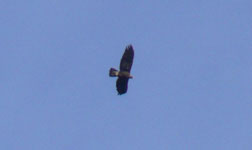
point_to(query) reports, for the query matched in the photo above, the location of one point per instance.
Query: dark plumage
(124, 73)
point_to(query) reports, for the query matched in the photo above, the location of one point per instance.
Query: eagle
(124, 73)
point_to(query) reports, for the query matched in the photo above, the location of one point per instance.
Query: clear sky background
(192, 86)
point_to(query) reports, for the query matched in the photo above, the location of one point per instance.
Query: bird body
(114, 73)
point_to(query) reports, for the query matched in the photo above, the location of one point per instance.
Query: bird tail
(113, 72)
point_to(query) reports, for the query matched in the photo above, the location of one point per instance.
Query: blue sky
(192, 75)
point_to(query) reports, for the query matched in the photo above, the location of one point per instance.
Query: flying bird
(124, 73)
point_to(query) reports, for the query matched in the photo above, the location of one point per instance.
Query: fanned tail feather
(113, 72)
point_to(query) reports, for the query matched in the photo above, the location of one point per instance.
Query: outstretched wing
(127, 59)
(122, 85)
